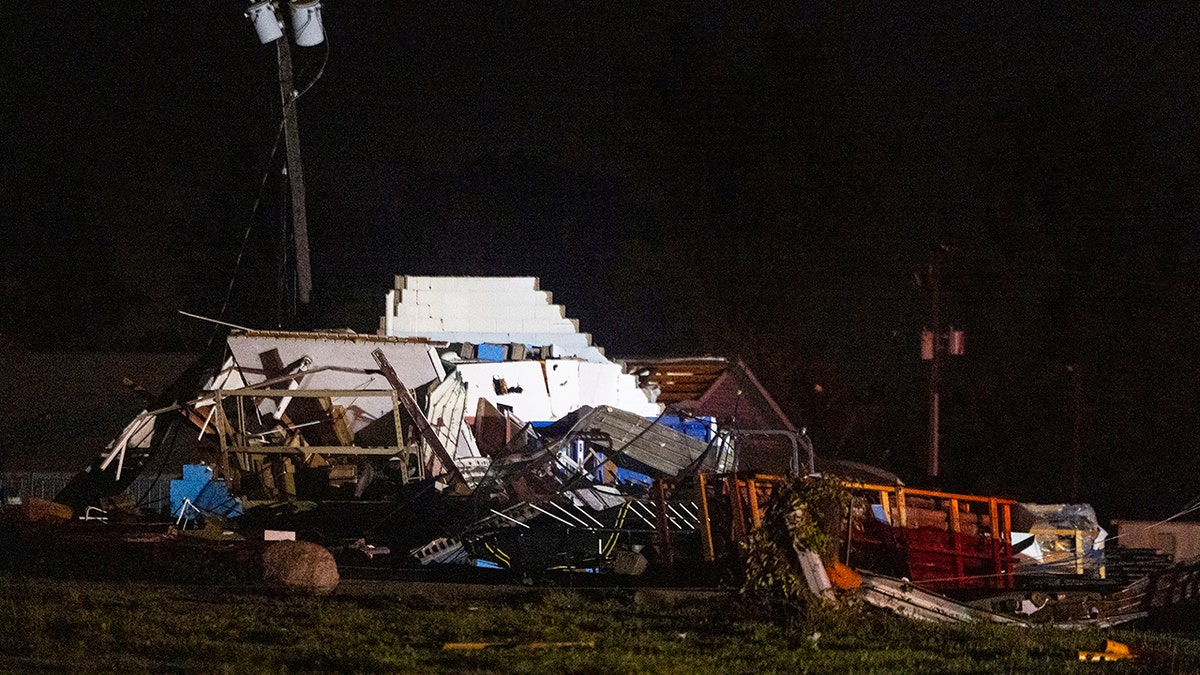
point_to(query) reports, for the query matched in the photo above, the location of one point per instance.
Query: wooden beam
(664, 522)
(955, 529)
(705, 523)
(222, 425)
(312, 450)
(400, 443)
(1006, 522)
(307, 393)
(418, 418)
(752, 494)
(734, 490)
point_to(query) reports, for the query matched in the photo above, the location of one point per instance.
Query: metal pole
(934, 370)
(1076, 430)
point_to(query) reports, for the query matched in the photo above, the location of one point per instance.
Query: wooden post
(849, 531)
(400, 443)
(295, 174)
(222, 426)
(955, 530)
(752, 493)
(1008, 552)
(664, 523)
(993, 513)
(733, 487)
(705, 523)
(239, 437)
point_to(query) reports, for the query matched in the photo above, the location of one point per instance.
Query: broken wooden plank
(418, 417)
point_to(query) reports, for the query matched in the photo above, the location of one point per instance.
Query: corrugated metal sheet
(653, 446)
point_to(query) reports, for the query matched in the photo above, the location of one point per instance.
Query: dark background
(767, 181)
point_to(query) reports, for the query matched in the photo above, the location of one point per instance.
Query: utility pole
(295, 174)
(935, 373)
(308, 31)
(1076, 429)
(935, 343)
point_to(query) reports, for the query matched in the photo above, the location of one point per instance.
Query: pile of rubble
(481, 428)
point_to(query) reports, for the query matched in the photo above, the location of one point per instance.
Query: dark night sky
(758, 180)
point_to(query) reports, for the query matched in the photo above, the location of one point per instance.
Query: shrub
(803, 515)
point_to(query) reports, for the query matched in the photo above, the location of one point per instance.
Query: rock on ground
(300, 566)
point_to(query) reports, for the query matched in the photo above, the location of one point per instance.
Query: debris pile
(481, 428)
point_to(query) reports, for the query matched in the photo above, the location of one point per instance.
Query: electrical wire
(249, 227)
(1193, 505)
(320, 71)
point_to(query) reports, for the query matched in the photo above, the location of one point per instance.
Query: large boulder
(300, 566)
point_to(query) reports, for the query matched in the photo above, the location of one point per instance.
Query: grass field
(54, 625)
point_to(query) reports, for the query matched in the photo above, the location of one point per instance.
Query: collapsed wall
(483, 310)
(507, 320)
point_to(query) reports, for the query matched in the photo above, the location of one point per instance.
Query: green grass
(81, 626)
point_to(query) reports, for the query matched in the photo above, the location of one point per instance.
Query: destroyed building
(479, 391)
(481, 428)
(722, 389)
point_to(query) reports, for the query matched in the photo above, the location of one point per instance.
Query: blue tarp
(209, 496)
(490, 352)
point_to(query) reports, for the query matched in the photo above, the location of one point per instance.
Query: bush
(804, 515)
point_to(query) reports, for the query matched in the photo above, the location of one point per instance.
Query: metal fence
(154, 495)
